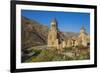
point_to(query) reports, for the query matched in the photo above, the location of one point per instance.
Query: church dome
(54, 22)
(82, 28)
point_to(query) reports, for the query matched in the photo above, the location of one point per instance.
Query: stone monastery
(57, 40)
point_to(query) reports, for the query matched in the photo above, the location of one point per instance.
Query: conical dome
(54, 22)
(82, 28)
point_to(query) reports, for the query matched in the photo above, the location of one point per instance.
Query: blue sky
(67, 21)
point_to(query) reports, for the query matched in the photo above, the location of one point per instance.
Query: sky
(67, 21)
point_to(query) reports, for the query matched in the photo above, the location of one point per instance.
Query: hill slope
(32, 33)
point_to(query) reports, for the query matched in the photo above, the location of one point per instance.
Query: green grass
(36, 53)
(52, 54)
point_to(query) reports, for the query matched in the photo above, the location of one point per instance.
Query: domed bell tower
(83, 36)
(82, 30)
(52, 34)
(54, 24)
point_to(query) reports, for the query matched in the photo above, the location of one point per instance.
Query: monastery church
(57, 40)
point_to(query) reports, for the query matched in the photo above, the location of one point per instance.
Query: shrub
(68, 48)
(45, 55)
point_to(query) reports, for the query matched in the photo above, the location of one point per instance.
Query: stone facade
(83, 37)
(55, 39)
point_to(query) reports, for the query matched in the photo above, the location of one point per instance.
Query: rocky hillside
(70, 34)
(32, 33)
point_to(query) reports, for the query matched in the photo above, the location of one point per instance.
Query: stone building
(56, 39)
(83, 37)
(53, 40)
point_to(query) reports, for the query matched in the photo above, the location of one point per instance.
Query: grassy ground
(44, 55)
